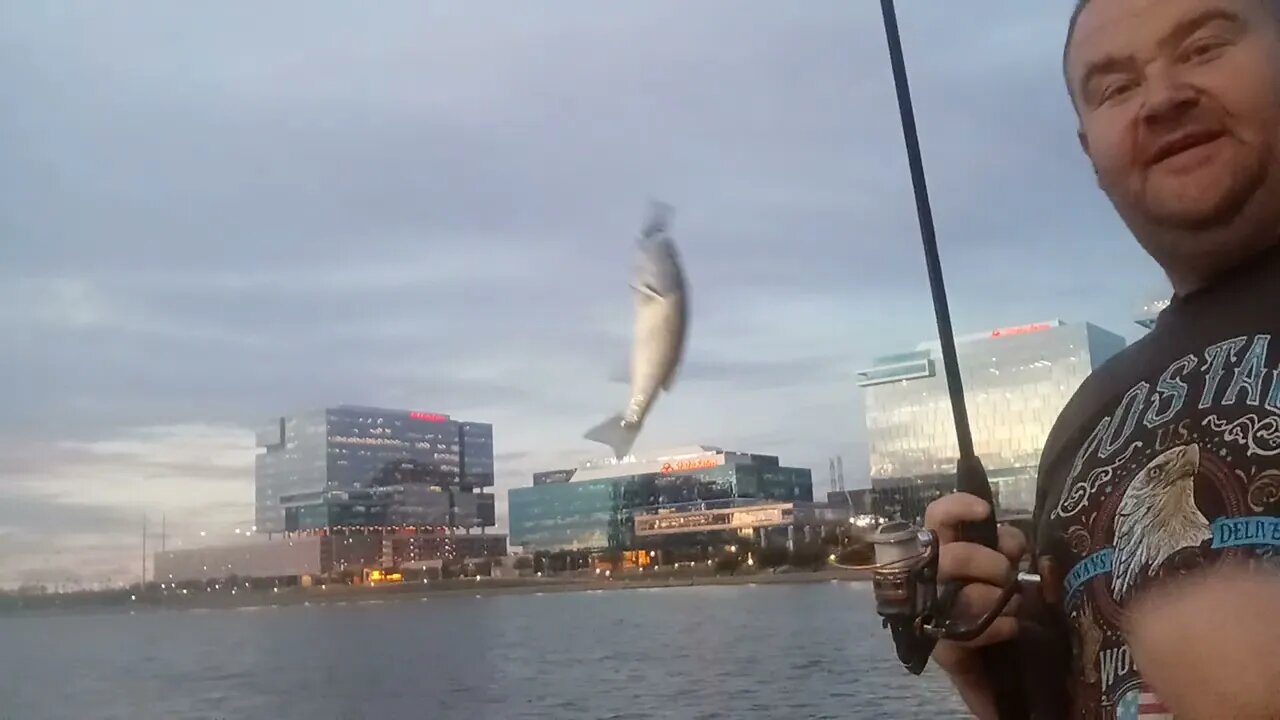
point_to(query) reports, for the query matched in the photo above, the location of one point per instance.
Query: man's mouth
(1181, 143)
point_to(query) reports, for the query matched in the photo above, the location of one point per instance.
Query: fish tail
(616, 433)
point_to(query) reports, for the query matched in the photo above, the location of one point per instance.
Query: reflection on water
(768, 651)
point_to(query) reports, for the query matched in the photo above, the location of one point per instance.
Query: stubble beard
(1244, 217)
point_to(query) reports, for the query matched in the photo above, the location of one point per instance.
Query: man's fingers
(1013, 544)
(1004, 628)
(945, 514)
(976, 599)
(970, 561)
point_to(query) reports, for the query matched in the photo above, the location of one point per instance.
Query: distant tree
(771, 557)
(612, 557)
(808, 557)
(727, 563)
(523, 562)
(858, 552)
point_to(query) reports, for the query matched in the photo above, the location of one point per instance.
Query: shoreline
(480, 587)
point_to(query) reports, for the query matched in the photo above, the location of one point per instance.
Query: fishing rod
(905, 581)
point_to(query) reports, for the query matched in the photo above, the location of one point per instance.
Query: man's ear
(1084, 145)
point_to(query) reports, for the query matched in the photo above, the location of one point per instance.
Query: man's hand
(987, 571)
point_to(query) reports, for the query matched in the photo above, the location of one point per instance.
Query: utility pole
(144, 550)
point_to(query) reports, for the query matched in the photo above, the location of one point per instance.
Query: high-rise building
(1016, 381)
(364, 467)
(594, 508)
(1147, 314)
(548, 477)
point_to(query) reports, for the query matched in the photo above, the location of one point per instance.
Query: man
(1166, 463)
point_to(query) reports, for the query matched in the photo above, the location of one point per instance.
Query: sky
(213, 214)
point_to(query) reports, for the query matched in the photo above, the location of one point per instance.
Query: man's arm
(1208, 646)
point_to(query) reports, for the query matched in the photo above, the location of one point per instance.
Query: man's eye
(1115, 90)
(1204, 49)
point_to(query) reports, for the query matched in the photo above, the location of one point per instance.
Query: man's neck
(1207, 272)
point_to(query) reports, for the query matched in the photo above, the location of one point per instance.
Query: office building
(596, 507)
(1147, 314)
(1016, 381)
(860, 501)
(553, 476)
(363, 467)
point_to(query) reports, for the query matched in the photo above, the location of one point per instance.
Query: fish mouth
(1180, 143)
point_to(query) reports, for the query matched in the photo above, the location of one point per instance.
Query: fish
(661, 325)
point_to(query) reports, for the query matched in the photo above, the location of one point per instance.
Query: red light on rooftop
(1020, 330)
(428, 417)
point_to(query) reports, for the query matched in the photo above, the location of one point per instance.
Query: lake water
(733, 652)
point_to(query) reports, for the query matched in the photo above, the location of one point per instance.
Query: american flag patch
(1141, 704)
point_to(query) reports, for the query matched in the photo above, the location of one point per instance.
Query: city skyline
(212, 222)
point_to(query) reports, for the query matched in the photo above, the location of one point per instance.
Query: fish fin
(658, 219)
(647, 291)
(615, 434)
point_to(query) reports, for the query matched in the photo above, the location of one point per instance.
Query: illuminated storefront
(596, 509)
(1016, 381)
(764, 522)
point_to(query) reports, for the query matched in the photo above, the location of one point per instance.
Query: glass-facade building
(354, 466)
(594, 509)
(1149, 311)
(1016, 382)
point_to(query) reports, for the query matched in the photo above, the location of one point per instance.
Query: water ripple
(744, 652)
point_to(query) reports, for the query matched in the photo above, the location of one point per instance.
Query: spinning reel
(905, 583)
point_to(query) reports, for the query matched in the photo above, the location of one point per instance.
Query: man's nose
(1166, 99)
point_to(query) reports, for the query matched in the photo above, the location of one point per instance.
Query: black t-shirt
(1166, 459)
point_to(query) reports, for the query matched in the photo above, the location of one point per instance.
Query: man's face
(1179, 104)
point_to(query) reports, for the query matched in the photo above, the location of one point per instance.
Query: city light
(695, 464)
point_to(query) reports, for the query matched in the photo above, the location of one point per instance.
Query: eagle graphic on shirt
(1157, 517)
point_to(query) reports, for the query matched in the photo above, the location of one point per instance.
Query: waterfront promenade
(340, 593)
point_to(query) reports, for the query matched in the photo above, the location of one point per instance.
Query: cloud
(220, 216)
(79, 506)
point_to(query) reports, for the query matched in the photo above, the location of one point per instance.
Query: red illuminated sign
(1020, 330)
(696, 464)
(428, 417)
